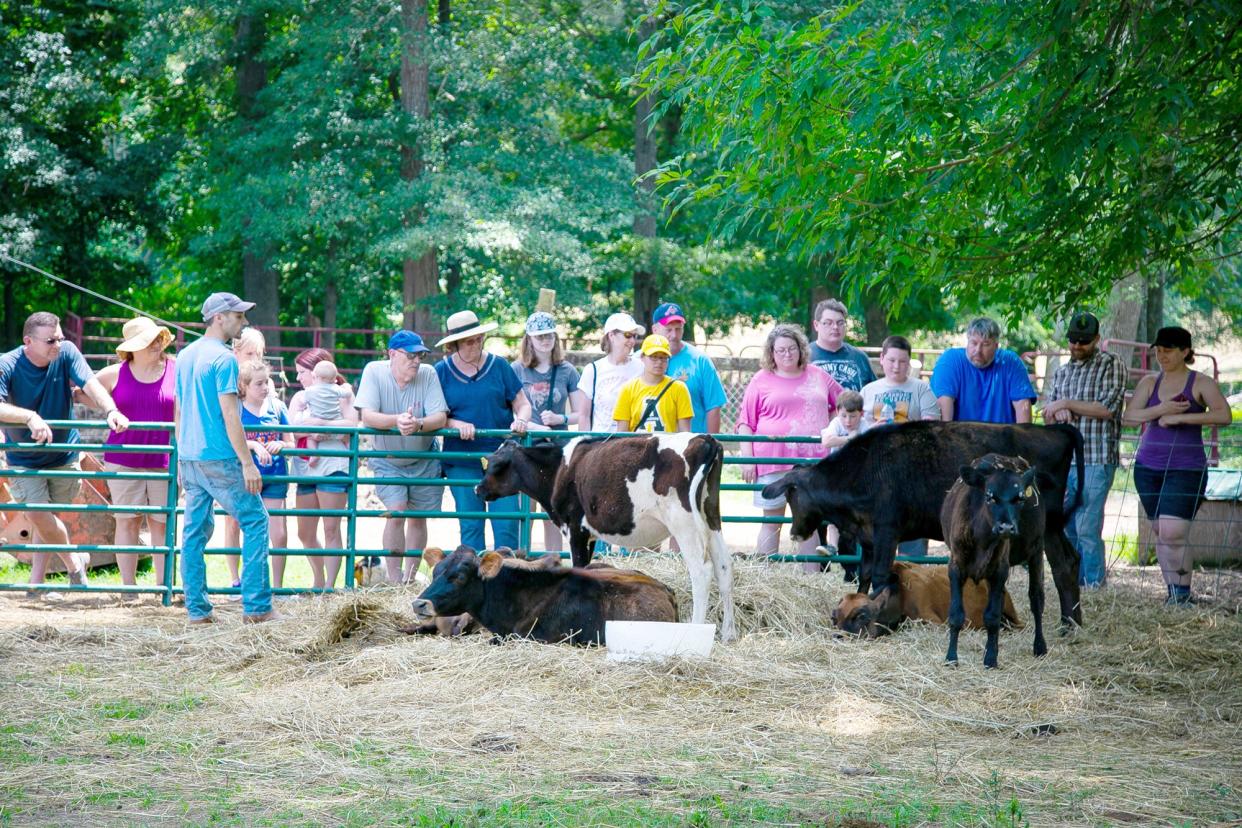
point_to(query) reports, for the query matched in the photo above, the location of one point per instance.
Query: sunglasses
(53, 340)
(1079, 341)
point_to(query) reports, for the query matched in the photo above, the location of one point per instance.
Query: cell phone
(1179, 398)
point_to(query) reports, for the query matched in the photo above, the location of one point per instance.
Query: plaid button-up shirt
(1100, 379)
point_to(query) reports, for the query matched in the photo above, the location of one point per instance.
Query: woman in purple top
(143, 386)
(1170, 467)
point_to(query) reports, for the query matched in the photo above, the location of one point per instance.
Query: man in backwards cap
(215, 464)
(1088, 392)
(690, 365)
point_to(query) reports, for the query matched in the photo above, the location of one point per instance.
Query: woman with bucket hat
(482, 391)
(143, 386)
(1170, 466)
(550, 383)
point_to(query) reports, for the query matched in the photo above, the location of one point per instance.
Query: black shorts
(1170, 493)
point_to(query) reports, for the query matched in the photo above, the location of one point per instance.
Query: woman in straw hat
(482, 391)
(142, 384)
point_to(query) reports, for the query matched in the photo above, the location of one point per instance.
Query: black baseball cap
(1172, 337)
(1084, 327)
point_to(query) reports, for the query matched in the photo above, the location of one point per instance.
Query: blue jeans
(206, 482)
(504, 532)
(1085, 529)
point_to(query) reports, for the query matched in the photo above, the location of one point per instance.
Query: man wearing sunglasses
(1087, 392)
(35, 386)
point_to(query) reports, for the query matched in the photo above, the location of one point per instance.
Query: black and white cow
(630, 491)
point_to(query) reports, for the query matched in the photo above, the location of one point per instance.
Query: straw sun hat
(463, 325)
(140, 333)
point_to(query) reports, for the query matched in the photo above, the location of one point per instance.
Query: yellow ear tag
(1030, 492)
(483, 460)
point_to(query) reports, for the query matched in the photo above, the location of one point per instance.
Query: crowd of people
(227, 410)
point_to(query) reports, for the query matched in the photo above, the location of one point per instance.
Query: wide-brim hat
(139, 333)
(463, 325)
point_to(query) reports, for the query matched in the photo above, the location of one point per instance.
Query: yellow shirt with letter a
(635, 405)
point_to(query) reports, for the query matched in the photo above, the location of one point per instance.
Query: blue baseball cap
(668, 312)
(407, 341)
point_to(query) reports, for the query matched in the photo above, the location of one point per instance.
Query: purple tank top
(143, 402)
(1173, 447)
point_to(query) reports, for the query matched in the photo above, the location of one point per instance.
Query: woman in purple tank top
(143, 384)
(1170, 467)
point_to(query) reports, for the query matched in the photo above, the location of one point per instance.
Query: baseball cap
(1172, 337)
(656, 344)
(623, 322)
(668, 312)
(540, 322)
(224, 303)
(407, 341)
(1084, 327)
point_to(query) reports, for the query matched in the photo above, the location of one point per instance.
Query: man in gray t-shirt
(403, 395)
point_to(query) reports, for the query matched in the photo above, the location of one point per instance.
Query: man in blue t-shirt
(214, 463)
(691, 366)
(982, 382)
(35, 386)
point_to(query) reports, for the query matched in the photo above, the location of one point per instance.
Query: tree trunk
(329, 312)
(877, 323)
(10, 306)
(420, 275)
(646, 285)
(1153, 305)
(260, 281)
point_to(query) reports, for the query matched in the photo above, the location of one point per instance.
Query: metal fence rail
(1213, 535)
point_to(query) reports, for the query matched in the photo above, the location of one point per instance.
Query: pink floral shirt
(785, 406)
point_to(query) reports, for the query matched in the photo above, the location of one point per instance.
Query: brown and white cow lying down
(994, 517)
(531, 600)
(918, 593)
(451, 626)
(629, 491)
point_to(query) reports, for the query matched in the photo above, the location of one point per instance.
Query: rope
(88, 291)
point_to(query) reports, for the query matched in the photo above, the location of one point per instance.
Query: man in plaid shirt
(1087, 391)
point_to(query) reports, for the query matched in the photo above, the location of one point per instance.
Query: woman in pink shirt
(788, 397)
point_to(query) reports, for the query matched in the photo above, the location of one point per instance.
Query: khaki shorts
(137, 492)
(47, 489)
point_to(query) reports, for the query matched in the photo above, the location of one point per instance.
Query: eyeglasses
(53, 340)
(785, 351)
(833, 323)
(627, 334)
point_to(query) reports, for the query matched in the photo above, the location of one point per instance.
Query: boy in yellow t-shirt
(652, 401)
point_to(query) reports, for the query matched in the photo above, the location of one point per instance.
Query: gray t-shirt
(323, 400)
(545, 393)
(848, 365)
(378, 391)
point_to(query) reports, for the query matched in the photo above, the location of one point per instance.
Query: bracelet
(419, 426)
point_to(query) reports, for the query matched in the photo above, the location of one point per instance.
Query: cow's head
(512, 468)
(1007, 484)
(457, 580)
(860, 614)
(811, 504)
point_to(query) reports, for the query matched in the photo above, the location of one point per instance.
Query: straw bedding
(1135, 718)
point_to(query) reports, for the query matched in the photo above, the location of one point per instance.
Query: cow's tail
(1079, 462)
(708, 496)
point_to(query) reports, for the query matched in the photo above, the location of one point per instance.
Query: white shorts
(777, 502)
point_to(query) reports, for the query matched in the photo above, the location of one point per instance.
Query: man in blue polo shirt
(982, 382)
(35, 387)
(691, 366)
(214, 463)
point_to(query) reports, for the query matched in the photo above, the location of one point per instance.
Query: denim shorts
(274, 491)
(1170, 493)
(337, 488)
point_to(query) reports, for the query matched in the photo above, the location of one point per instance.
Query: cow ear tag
(1030, 492)
(483, 460)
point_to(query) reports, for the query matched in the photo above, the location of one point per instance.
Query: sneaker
(235, 596)
(78, 578)
(262, 617)
(209, 618)
(1180, 600)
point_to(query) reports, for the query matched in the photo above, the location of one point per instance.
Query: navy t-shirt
(45, 391)
(484, 400)
(849, 366)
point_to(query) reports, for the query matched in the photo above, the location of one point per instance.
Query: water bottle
(886, 413)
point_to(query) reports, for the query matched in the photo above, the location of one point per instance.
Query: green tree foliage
(1027, 155)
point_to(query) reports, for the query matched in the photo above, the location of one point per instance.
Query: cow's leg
(1035, 591)
(883, 550)
(994, 612)
(1063, 561)
(865, 564)
(581, 546)
(722, 562)
(957, 612)
(692, 552)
